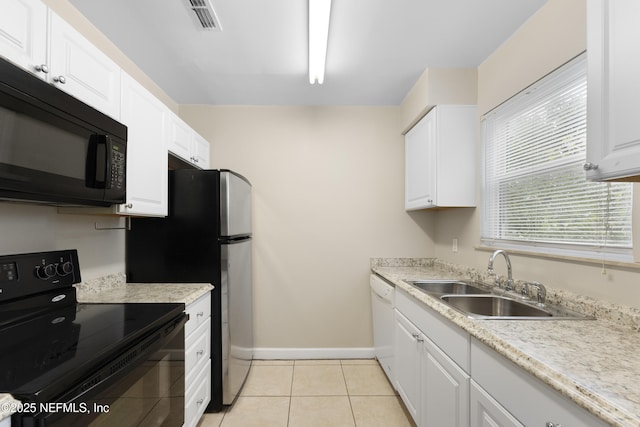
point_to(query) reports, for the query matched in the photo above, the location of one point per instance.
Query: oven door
(143, 386)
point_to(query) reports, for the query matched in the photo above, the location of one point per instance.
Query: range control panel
(26, 274)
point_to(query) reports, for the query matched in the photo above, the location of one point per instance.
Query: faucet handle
(541, 293)
(524, 290)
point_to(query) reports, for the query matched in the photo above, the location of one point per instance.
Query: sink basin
(493, 306)
(447, 287)
(499, 307)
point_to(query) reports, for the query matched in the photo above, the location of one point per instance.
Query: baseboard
(313, 353)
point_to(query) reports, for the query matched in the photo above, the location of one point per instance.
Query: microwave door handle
(99, 162)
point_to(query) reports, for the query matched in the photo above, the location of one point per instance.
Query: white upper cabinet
(187, 144)
(38, 40)
(201, 151)
(146, 119)
(23, 34)
(613, 128)
(81, 69)
(440, 159)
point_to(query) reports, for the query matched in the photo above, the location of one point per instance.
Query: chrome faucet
(509, 284)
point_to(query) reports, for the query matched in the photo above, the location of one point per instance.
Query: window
(536, 196)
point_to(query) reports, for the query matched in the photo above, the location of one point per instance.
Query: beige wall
(328, 196)
(553, 36)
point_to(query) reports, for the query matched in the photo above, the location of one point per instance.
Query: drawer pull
(550, 424)
(200, 314)
(200, 352)
(200, 401)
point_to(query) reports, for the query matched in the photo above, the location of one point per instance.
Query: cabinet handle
(550, 424)
(42, 68)
(200, 314)
(200, 401)
(200, 352)
(589, 167)
(60, 79)
(128, 205)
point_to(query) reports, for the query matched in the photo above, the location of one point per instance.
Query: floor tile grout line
(346, 386)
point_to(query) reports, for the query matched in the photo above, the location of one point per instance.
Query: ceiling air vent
(204, 14)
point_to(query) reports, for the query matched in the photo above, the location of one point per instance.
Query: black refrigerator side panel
(184, 246)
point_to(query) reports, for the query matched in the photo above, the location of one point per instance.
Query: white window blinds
(535, 190)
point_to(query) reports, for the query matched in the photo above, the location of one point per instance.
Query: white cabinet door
(445, 390)
(486, 412)
(23, 34)
(187, 144)
(420, 165)
(407, 364)
(179, 137)
(200, 151)
(146, 119)
(440, 159)
(81, 69)
(613, 41)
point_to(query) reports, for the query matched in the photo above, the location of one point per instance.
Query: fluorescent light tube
(319, 13)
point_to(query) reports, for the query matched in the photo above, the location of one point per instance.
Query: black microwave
(56, 149)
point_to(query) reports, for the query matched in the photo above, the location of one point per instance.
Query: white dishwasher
(382, 304)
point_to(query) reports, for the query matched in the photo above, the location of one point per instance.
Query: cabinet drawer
(197, 397)
(450, 338)
(197, 351)
(199, 311)
(515, 389)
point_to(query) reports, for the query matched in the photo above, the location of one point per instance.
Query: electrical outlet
(454, 245)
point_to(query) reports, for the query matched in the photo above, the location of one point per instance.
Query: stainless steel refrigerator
(206, 238)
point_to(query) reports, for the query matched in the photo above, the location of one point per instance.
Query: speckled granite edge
(102, 284)
(8, 405)
(401, 262)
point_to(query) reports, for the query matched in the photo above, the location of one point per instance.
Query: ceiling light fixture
(319, 13)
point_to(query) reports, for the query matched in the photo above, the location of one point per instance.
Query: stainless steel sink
(442, 287)
(500, 307)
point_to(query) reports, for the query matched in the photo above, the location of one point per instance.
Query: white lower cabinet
(515, 390)
(6, 422)
(444, 389)
(197, 365)
(445, 378)
(434, 388)
(485, 411)
(407, 364)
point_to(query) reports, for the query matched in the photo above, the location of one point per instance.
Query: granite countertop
(114, 289)
(595, 363)
(8, 405)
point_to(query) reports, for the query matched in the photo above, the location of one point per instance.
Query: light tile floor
(310, 393)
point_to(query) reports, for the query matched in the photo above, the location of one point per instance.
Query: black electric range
(56, 350)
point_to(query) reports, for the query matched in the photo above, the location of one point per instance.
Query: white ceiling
(377, 48)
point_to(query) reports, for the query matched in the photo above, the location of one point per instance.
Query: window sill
(560, 257)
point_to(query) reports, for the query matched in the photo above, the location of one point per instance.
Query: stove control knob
(65, 268)
(45, 271)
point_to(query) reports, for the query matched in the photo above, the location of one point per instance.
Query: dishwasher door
(382, 304)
